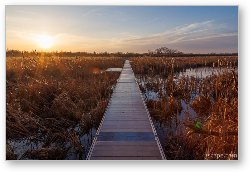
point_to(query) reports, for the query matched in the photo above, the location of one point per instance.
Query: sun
(44, 41)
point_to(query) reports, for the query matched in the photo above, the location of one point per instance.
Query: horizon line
(102, 52)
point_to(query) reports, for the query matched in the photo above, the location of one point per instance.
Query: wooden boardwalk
(126, 131)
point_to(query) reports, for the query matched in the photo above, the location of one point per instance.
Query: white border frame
(241, 165)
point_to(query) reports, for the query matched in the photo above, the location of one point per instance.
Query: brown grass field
(55, 101)
(55, 104)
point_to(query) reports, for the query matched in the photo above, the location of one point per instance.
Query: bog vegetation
(54, 104)
(196, 117)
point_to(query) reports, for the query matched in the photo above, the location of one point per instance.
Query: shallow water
(175, 126)
(114, 70)
(151, 95)
(172, 128)
(203, 72)
(21, 146)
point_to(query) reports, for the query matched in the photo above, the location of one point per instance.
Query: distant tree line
(159, 52)
(17, 53)
(164, 51)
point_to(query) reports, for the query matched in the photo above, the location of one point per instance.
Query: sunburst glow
(44, 41)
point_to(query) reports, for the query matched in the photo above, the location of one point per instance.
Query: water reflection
(154, 89)
(22, 146)
(203, 72)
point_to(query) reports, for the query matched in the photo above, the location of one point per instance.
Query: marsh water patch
(28, 148)
(203, 72)
(113, 70)
(174, 119)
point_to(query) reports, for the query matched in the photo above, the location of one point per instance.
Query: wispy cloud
(190, 32)
(198, 33)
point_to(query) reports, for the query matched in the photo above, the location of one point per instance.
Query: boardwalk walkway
(126, 131)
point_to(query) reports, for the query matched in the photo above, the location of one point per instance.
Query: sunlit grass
(55, 101)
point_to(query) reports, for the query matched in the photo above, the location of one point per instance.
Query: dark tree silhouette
(167, 51)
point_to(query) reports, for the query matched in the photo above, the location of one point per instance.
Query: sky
(190, 29)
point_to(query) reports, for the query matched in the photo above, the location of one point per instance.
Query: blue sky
(194, 29)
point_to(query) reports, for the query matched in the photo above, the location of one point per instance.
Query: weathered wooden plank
(129, 148)
(127, 129)
(122, 143)
(124, 128)
(125, 158)
(128, 124)
(124, 118)
(126, 136)
(126, 152)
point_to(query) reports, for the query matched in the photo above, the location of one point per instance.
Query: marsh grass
(214, 99)
(55, 101)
